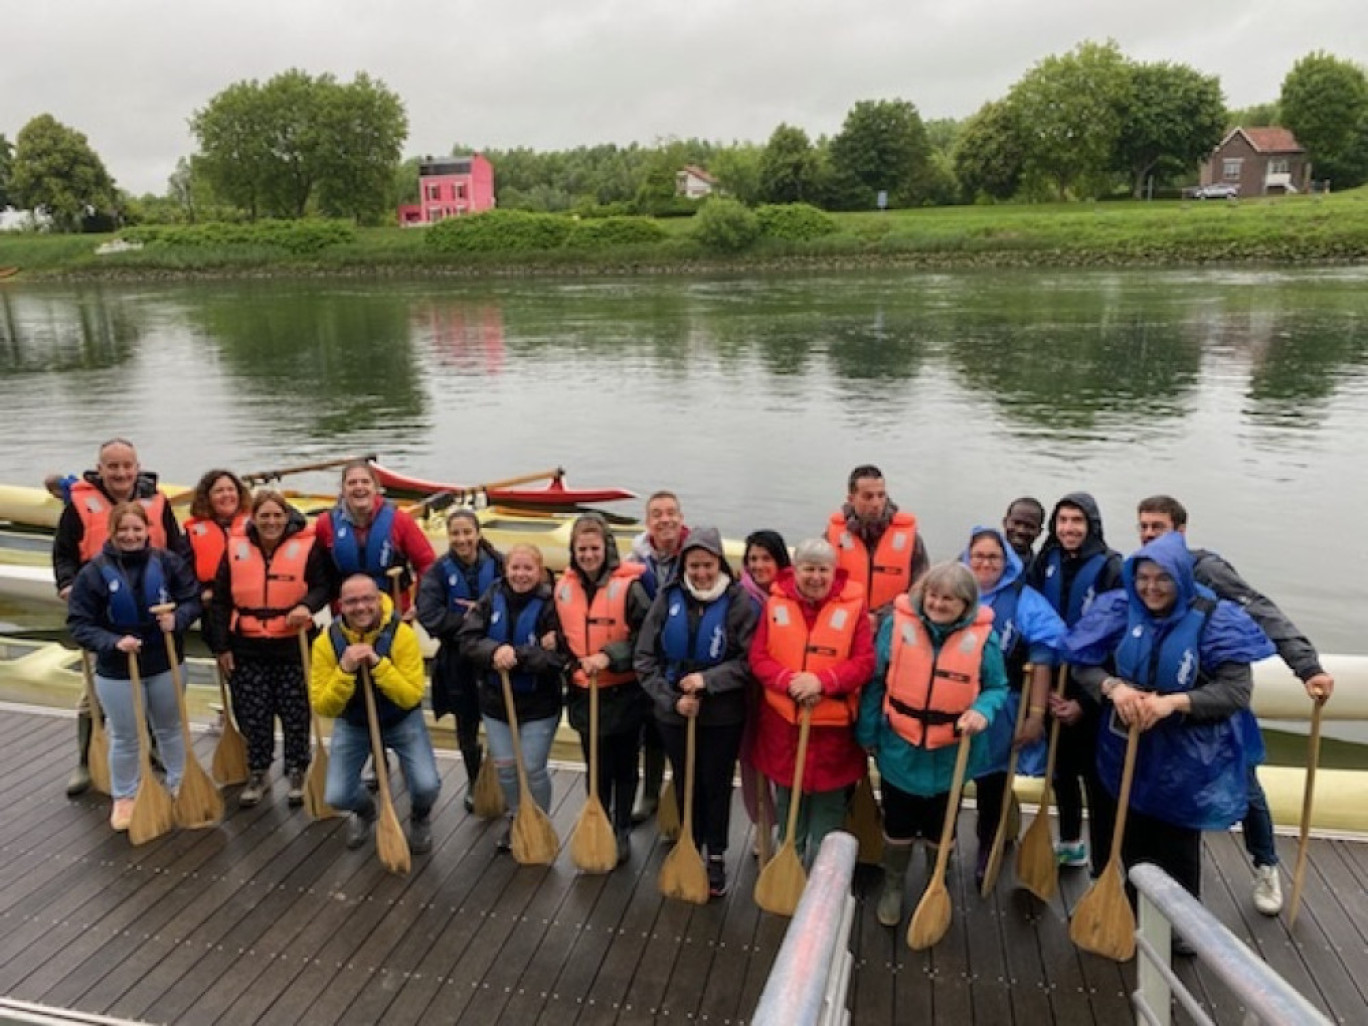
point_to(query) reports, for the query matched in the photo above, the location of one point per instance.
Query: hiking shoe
(257, 782)
(469, 802)
(295, 796)
(420, 834)
(717, 876)
(1268, 896)
(122, 814)
(1072, 853)
(624, 846)
(358, 830)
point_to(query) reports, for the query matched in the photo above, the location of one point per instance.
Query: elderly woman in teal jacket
(941, 635)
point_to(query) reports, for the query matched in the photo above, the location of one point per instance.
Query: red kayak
(553, 494)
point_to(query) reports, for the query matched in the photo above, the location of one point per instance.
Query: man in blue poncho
(1182, 675)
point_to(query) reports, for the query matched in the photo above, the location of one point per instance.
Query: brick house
(693, 182)
(450, 187)
(1259, 161)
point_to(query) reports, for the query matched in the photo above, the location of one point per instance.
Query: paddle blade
(1103, 921)
(229, 765)
(390, 843)
(534, 838)
(931, 920)
(864, 822)
(667, 812)
(316, 786)
(1013, 816)
(781, 883)
(153, 811)
(683, 875)
(489, 796)
(1037, 869)
(593, 846)
(98, 757)
(198, 804)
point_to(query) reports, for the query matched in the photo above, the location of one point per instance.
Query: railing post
(1152, 987)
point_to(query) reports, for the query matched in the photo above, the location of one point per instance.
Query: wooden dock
(270, 919)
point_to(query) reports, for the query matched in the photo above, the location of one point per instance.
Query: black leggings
(714, 766)
(261, 692)
(617, 773)
(1075, 761)
(908, 817)
(1175, 849)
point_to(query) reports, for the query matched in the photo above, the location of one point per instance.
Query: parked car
(1216, 190)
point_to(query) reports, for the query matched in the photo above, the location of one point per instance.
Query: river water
(1242, 392)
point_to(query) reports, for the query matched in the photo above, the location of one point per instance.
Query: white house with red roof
(693, 182)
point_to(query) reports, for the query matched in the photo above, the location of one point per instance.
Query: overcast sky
(552, 74)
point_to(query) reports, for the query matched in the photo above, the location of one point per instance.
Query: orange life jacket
(93, 506)
(791, 644)
(263, 593)
(888, 573)
(209, 541)
(926, 691)
(589, 626)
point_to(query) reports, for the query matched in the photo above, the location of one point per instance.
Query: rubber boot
(897, 855)
(471, 755)
(652, 778)
(79, 781)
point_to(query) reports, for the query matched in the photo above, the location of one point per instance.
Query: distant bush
(669, 206)
(725, 226)
(500, 231)
(615, 231)
(794, 222)
(298, 237)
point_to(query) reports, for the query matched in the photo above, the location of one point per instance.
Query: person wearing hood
(877, 544)
(449, 590)
(658, 550)
(765, 557)
(369, 636)
(109, 613)
(271, 580)
(514, 629)
(1157, 516)
(601, 604)
(1181, 673)
(83, 529)
(813, 650)
(1072, 569)
(366, 534)
(939, 673)
(1030, 633)
(218, 509)
(691, 659)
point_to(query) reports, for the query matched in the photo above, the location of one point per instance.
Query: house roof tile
(1272, 140)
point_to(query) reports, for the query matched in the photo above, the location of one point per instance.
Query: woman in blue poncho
(1182, 674)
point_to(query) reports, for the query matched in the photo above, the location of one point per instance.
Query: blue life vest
(1190, 774)
(380, 553)
(1082, 589)
(1014, 648)
(458, 579)
(685, 650)
(127, 612)
(505, 631)
(355, 710)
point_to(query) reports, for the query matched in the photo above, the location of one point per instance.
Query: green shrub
(298, 237)
(725, 226)
(616, 231)
(794, 222)
(500, 231)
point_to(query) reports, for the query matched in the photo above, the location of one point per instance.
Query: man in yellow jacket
(370, 638)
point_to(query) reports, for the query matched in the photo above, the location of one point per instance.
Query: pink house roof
(1268, 140)
(698, 172)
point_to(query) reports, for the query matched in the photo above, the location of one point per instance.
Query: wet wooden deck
(269, 919)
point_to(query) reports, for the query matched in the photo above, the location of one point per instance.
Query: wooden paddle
(229, 764)
(489, 796)
(1037, 867)
(764, 838)
(864, 822)
(197, 803)
(153, 811)
(316, 779)
(781, 883)
(390, 843)
(275, 475)
(990, 872)
(1103, 921)
(667, 812)
(682, 874)
(932, 918)
(97, 755)
(1308, 800)
(555, 474)
(534, 840)
(593, 846)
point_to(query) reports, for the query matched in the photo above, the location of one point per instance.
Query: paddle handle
(144, 739)
(88, 677)
(951, 810)
(1000, 836)
(1308, 802)
(690, 754)
(1052, 751)
(799, 762)
(169, 638)
(555, 473)
(593, 735)
(301, 468)
(1123, 798)
(524, 789)
(377, 746)
(306, 661)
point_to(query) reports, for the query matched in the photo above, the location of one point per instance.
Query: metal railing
(1164, 905)
(808, 982)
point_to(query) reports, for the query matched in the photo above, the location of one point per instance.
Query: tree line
(1084, 124)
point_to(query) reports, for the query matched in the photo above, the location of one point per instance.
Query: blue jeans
(536, 737)
(1258, 825)
(351, 747)
(163, 712)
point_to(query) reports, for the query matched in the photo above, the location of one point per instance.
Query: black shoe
(624, 846)
(505, 842)
(469, 802)
(295, 795)
(358, 830)
(717, 876)
(420, 834)
(1181, 947)
(981, 865)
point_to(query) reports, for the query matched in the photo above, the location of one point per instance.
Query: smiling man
(877, 544)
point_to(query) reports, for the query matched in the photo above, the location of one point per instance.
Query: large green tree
(883, 146)
(1325, 104)
(363, 127)
(988, 156)
(56, 171)
(1172, 118)
(788, 168)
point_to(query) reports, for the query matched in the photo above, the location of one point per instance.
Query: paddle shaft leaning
(593, 847)
(931, 918)
(153, 813)
(390, 843)
(97, 755)
(1103, 921)
(275, 475)
(682, 874)
(198, 802)
(316, 777)
(990, 872)
(1037, 867)
(534, 840)
(1308, 802)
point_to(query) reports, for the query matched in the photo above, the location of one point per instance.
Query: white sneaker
(1268, 897)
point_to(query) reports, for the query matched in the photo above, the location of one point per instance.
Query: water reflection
(63, 331)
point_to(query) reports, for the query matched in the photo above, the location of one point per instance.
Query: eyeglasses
(979, 557)
(364, 600)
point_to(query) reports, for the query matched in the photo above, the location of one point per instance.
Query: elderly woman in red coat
(813, 650)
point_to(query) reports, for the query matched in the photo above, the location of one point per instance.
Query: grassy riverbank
(1291, 229)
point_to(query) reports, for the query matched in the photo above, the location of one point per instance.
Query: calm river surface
(1243, 392)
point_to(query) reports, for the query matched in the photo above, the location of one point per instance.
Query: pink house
(450, 187)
